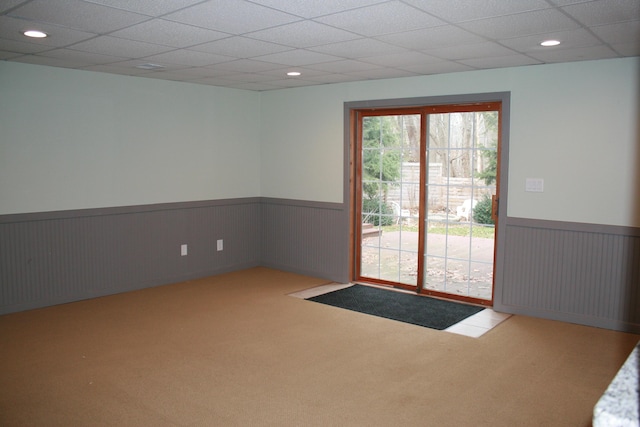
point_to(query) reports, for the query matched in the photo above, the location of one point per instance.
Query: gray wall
(580, 273)
(306, 237)
(58, 257)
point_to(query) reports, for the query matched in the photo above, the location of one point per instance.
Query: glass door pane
(461, 155)
(390, 199)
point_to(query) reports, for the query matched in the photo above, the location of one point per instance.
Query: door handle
(494, 208)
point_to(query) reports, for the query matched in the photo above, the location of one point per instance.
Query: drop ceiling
(252, 44)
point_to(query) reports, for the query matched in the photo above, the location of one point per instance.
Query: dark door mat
(415, 309)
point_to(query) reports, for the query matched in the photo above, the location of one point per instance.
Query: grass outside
(464, 230)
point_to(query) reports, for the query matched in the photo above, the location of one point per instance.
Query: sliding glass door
(426, 185)
(390, 197)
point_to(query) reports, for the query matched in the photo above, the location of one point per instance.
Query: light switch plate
(535, 185)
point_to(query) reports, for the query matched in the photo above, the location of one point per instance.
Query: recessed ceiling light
(294, 73)
(549, 43)
(35, 34)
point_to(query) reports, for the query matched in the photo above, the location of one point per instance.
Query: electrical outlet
(220, 245)
(183, 250)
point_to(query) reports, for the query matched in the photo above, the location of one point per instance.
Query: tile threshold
(473, 326)
(479, 324)
(319, 290)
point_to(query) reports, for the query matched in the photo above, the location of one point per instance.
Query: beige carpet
(235, 350)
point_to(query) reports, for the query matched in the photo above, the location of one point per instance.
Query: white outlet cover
(220, 245)
(183, 250)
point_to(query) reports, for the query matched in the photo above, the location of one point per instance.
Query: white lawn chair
(465, 210)
(400, 214)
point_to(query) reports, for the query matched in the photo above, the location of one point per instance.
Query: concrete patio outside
(467, 269)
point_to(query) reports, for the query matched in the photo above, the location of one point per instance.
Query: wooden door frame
(350, 109)
(356, 191)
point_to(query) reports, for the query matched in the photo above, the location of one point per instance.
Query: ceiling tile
(202, 72)
(438, 68)
(298, 57)
(8, 55)
(329, 41)
(249, 77)
(256, 86)
(214, 81)
(464, 10)
(571, 38)
(627, 49)
(293, 83)
(360, 48)
(134, 64)
(81, 57)
(9, 4)
(231, 16)
(147, 7)
(500, 62)
(117, 69)
(168, 75)
(312, 9)
(188, 58)
(401, 59)
(22, 47)
(107, 45)
(470, 51)
(578, 54)
(601, 13)
(566, 2)
(50, 62)
(625, 32)
(430, 38)
(78, 15)
(306, 73)
(522, 24)
(389, 18)
(12, 29)
(240, 47)
(382, 73)
(303, 34)
(344, 66)
(335, 78)
(248, 65)
(168, 33)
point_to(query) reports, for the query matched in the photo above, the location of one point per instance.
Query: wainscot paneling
(57, 257)
(580, 273)
(573, 272)
(309, 238)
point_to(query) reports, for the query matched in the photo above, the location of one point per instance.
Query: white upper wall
(75, 139)
(575, 125)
